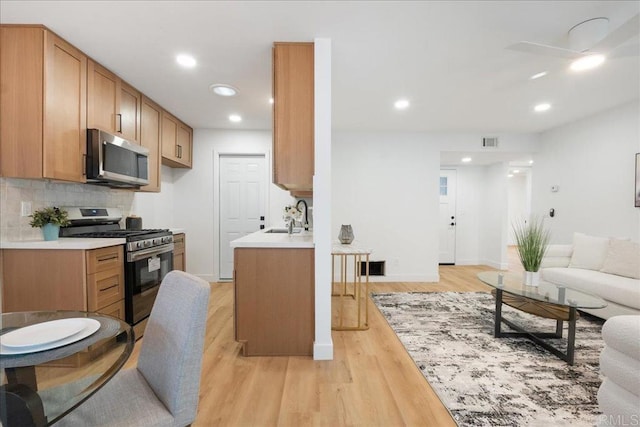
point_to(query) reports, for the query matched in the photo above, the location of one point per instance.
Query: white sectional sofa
(606, 267)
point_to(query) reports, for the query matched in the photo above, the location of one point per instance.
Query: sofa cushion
(623, 259)
(622, 290)
(588, 251)
(623, 334)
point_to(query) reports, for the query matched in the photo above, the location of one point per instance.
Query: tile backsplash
(43, 193)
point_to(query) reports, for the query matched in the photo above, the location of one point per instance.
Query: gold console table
(351, 285)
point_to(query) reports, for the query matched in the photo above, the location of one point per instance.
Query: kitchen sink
(283, 230)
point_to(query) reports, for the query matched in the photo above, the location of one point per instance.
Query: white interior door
(447, 216)
(242, 203)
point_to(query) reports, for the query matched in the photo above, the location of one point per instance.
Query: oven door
(144, 272)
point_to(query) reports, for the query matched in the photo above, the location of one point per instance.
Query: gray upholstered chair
(163, 389)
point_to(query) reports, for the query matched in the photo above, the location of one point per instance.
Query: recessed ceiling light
(516, 171)
(401, 104)
(223, 90)
(270, 100)
(542, 107)
(186, 61)
(235, 118)
(587, 62)
(530, 162)
(510, 176)
(537, 76)
(466, 159)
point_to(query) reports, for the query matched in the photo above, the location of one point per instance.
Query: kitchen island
(274, 293)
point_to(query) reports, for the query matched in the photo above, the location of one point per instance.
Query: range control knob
(138, 245)
(147, 243)
(157, 241)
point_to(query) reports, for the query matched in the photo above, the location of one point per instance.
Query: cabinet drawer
(104, 288)
(178, 243)
(116, 310)
(105, 259)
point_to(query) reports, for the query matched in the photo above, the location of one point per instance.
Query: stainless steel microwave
(115, 162)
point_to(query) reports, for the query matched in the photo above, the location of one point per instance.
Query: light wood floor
(372, 380)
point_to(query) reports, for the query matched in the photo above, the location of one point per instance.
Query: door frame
(216, 197)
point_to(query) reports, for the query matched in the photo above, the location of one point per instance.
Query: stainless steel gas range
(148, 255)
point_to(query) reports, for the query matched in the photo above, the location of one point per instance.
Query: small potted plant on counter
(532, 239)
(49, 220)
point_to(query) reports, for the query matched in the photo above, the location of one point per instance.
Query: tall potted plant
(49, 220)
(532, 239)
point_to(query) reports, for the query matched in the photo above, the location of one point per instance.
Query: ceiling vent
(490, 142)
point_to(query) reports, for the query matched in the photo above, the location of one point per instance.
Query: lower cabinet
(274, 301)
(55, 279)
(60, 279)
(179, 254)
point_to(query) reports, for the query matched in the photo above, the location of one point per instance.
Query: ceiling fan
(590, 41)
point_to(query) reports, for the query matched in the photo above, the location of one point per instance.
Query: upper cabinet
(150, 137)
(112, 105)
(293, 116)
(43, 105)
(177, 141)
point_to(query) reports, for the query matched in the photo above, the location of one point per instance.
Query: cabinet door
(184, 142)
(293, 114)
(169, 135)
(150, 134)
(65, 136)
(103, 98)
(128, 118)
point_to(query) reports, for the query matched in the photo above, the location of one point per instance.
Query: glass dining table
(52, 361)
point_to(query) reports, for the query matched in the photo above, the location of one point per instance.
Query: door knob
(452, 224)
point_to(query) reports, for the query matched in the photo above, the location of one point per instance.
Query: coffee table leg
(571, 339)
(498, 314)
(559, 325)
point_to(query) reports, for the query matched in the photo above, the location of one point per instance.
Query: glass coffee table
(546, 300)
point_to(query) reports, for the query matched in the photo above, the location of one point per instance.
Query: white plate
(42, 333)
(89, 326)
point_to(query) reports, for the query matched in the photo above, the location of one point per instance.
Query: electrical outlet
(25, 208)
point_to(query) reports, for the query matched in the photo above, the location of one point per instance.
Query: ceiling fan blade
(543, 49)
(618, 36)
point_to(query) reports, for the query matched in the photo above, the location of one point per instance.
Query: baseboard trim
(323, 351)
(427, 278)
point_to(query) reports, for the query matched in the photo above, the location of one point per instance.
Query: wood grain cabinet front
(177, 142)
(150, 137)
(293, 117)
(179, 254)
(43, 105)
(85, 280)
(112, 104)
(274, 301)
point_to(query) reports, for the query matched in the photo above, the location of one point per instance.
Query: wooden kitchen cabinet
(112, 104)
(43, 105)
(177, 142)
(150, 137)
(52, 279)
(293, 116)
(179, 253)
(274, 301)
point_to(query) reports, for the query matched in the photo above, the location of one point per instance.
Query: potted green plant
(532, 239)
(49, 220)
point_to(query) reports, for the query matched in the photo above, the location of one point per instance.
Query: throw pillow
(623, 259)
(589, 252)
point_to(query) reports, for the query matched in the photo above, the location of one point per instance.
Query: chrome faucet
(305, 224)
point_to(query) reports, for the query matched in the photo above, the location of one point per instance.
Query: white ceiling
(448, 58)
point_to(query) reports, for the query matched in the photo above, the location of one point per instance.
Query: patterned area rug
(487, 381)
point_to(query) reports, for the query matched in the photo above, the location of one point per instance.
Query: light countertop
(176, 230)
(63, 243)
(261, 239)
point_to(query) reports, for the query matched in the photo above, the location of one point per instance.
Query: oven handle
(148, 253)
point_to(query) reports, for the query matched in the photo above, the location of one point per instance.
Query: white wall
(386, 187)
(593, 163)
(156, 209)
(518, 201)
(469, 192)
(193, 193)
(493, 217)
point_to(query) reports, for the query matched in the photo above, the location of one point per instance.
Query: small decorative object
(50, 220)
(532, 239)
(290, 215)
(346, 234)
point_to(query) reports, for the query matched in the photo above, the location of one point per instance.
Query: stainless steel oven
(144, 271)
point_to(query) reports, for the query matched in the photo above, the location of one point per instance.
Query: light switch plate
(25, 208)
